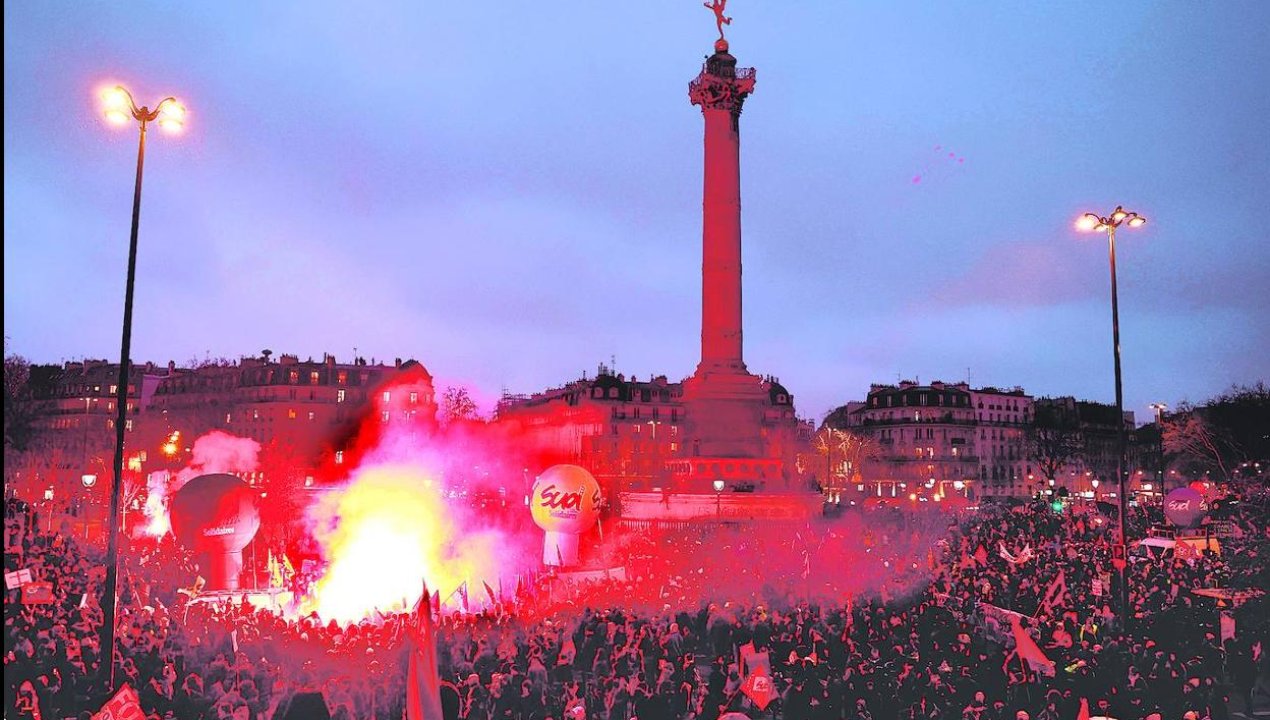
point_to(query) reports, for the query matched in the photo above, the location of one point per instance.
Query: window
(414, 398)
(291, 413)
(227, 418)
(114, 389)
(386, 415)
(255, 414)
(340, 395)
(339, 457)
(312, 416)
(128, 424)
(293, 376)
(387, 396)
(342, 377)
(313, 377)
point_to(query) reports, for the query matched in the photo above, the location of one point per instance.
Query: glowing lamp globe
(565, 503)
(1184, 507)
(215, 517)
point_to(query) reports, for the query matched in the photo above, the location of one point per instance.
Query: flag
(1185, 551)
(423, 682)
(490, 591)
(501, 595)
(1054, 594)
(559, 556)
(436, 600)
(125, 705)
(1029, 651)
(233, 639)
(520, 586)
(37, 593)
(463, 595)
(1227, 626)
(758, 687)
(1083, 714)
(981, 555)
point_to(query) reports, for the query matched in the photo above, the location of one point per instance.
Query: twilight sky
(511, 192)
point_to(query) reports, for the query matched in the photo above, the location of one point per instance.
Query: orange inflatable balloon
(566, 499)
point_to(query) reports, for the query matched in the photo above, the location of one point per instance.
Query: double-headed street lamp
(118, 106)
(1090, 222)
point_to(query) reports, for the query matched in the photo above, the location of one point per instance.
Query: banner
(37, 593)
(17, 578)
(125, 705)
(997, 623)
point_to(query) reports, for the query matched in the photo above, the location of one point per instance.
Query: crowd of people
(873, 617)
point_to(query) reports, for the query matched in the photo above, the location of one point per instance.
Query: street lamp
(1096, 223)
(1159, 409)
(718, 507)
(118, 106)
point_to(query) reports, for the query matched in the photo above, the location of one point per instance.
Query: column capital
(721, 85)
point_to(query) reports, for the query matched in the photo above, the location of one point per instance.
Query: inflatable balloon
(564, 503)
(1184, 507)
(215, 516)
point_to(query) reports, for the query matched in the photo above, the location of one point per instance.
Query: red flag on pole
(423, 682)
(463, 596)
(125, 705)
(760, 689)
(1029, 651)
(490, 591)
(1227, 626)
(1083, 714)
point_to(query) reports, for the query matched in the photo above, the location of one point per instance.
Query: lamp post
(1159, 409)
(1096, 223)
(118, 106)
(718, 500)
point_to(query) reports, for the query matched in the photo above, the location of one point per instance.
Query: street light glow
(1137, 221)
(1087, 222)
(172, 116)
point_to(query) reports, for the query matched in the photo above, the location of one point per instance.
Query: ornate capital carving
(713, 92)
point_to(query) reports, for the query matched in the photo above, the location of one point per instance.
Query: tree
(1219, 434)
(19, 407)
(1054, 442)
(844, 452)
(1198, 444)
(457, 406)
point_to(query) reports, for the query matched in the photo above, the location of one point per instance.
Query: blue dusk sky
(511, 192)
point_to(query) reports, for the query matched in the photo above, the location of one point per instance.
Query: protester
(1005, 613)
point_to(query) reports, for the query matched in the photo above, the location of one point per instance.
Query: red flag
(490, 591)
(1084, 710)
(463, 595)
(38, 593)
(423, 684)
(1227, 626)
(981, 555)
(125, 705)
(1054, 594)
(1029, 651)
(758, 687)
(520, 586)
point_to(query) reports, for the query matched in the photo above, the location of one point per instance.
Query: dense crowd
(872, 618)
